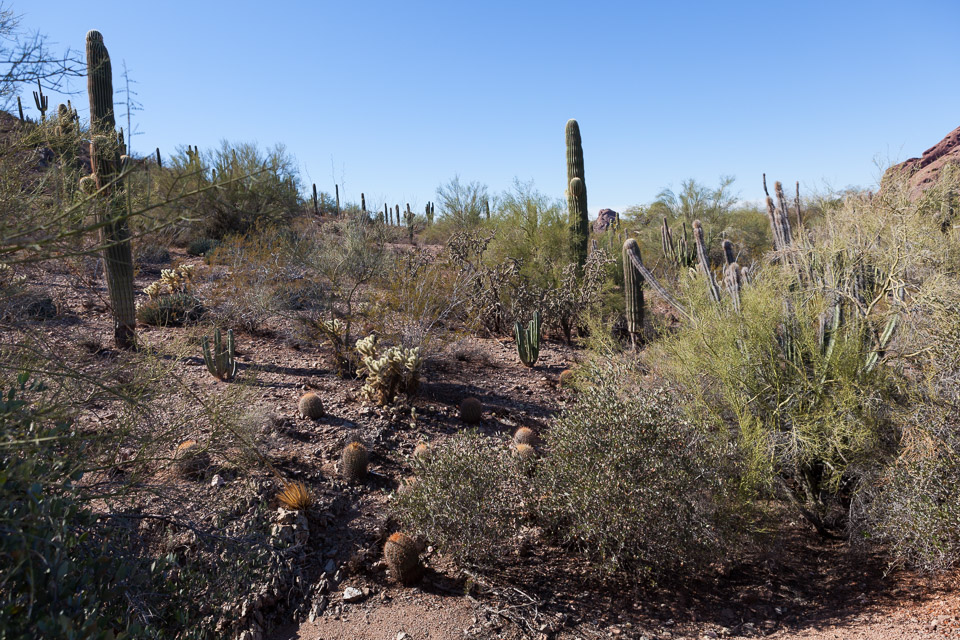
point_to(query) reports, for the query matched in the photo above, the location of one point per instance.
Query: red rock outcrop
(924, 171)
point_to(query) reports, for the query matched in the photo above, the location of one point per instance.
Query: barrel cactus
(311, 406)
(403, 558)
(525, 435)
(190, 460)
(353, 462)
(471, 410)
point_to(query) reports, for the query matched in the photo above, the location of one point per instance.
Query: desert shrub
(265, 278)
(201, 246)
(228, 190)
(911, 504)
(151, 253)
(465, 205)
(421, 299)
(348, 254)
(634, 485)
(170, 310)
(806, 364)
(469, 499)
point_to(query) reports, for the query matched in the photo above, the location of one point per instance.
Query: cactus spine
(528, 340)
(577, 196)
(633, 292)
(221, 361)
(104, 158)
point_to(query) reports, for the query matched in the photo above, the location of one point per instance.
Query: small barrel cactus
(525, 435)
(471, 410)
(353, 462)
(190, 460)
(311, 406)
(566, 378)
(422, 453)
(524, 451)
(403, 558)
(407, 486)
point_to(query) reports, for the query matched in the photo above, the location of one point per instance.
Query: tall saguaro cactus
(632, 291)
(104, 161)
(577, 196)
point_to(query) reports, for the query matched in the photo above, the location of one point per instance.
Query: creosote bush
(467, 501)
(632, 484)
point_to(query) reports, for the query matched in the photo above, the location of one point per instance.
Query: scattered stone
(352, 594)
(217, 481)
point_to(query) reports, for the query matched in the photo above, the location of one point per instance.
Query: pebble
(217, 481)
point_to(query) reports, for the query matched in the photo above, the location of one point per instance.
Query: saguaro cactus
(632, 291)
(20, 109)
(316, 203)
(104, 160)
(336, 189)
(577, 196)
(42, 102)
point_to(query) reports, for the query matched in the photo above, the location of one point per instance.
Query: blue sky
(393, 99)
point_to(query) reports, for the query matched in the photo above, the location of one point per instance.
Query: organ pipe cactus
(633, 291)
(104, 158)
(703, 257)
(221, 360)
(528, 340)
(577, 196)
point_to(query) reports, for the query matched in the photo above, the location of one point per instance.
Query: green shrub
(632, 484)
(201, 246)
(170, 310)
(468, 501)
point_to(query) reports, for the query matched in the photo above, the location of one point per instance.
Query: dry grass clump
(295, 496)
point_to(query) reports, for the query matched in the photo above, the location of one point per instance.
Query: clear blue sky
(395, 98)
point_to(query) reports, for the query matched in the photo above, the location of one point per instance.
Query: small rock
(403, 635)
(217, 481)
(352, 594)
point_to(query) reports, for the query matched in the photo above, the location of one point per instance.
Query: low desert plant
(403, 558)
(393, 371)
(469, 495)
(353, 462)
(471, 410)
(220, 358)
(311, 406)
(295, 496)
(631, 483)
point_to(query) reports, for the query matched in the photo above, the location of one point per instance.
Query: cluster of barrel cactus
(388, 374)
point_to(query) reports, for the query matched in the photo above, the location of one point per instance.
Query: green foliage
(468, 501)
(579, 214)
(633, 484)
(220, 360)
(462, 204)
(201, 246)
(170, 310)
(528, 340)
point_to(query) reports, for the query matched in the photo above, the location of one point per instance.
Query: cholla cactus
(394, 371)
(171, 282)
